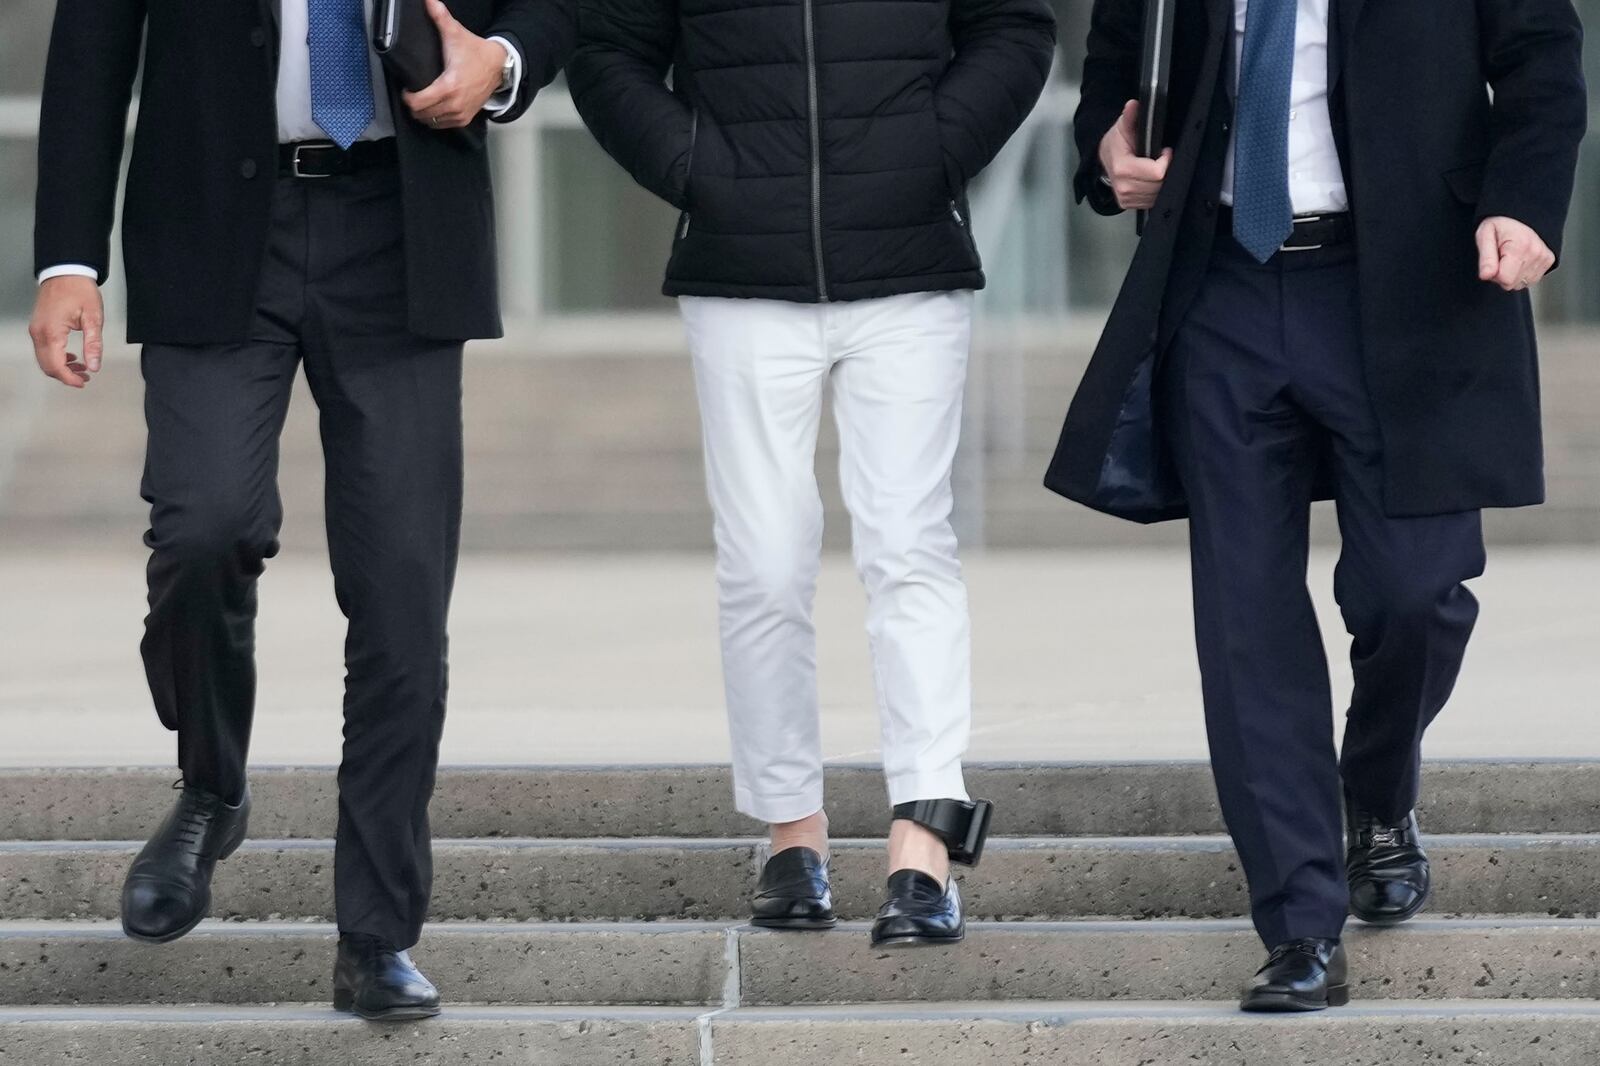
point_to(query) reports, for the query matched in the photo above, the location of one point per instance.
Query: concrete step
(1102, 799)
(1531, 1033)
(1021, 877)
(699, 963)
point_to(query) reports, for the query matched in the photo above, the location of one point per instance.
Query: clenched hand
(1135, 180)
(1511, 254)
(472, 67)
(66, 305)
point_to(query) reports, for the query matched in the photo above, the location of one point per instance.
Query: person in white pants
(820, 170)
(897, 367)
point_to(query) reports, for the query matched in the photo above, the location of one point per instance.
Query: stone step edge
(1043, 1011)
(1196, 843)
(111, 929)
(854, 766)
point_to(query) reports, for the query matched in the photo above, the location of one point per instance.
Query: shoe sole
(1283, 1003)
(795, 924)
(392, 1014)
(918, 941)
(144, 938)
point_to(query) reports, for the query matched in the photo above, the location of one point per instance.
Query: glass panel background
(606, 241)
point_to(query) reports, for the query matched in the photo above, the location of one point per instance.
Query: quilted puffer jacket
(817, 149)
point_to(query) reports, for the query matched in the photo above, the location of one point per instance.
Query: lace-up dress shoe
(168, 888)
(1300, 975)
(1387, 868)
(794, 892)
(919, 911)
(374, 981)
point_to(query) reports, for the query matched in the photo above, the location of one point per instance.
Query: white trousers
(898, 368)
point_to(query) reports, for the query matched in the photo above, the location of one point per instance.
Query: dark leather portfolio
(408, 42)
(1155, 70)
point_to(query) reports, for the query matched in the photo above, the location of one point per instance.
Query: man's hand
(64, 305)
(1511, 255)
(472, 71)
(1135, 180)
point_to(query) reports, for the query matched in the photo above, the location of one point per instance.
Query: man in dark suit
(1330, 299)
(287, 204)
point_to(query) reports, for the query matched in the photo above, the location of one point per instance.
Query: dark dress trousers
(1381, 373)
(238, 277)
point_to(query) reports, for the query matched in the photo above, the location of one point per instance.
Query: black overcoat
(205, 155)
(1427, 153)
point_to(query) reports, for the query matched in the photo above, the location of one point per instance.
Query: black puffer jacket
(818, 149)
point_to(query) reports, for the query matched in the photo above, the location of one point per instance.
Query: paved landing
(595, 658)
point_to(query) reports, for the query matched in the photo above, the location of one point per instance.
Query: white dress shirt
(1316, 181)
(294, 99)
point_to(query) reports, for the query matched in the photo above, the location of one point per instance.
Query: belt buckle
(1301, 247)
(294, 162)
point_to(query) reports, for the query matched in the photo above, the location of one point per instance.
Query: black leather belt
(324, 159)
(1310, 231)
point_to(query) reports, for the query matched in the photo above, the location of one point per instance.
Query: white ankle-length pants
(898, 367)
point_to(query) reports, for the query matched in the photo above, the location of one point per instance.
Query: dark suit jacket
(205, 154)
(1450, 361)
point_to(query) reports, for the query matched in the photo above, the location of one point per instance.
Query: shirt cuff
(69, 270)
(500, 103)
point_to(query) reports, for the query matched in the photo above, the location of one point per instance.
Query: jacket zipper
(688, 171)
(816, 149)
(955, 213)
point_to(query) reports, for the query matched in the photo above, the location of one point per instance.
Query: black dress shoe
(1387, 868)
(1300, 975)
(794, 892)
(168, 888)
(919, 911)
(374, 981)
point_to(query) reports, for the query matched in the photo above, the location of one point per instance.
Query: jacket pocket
(1466, 182)
(688, 175)
(694, 140)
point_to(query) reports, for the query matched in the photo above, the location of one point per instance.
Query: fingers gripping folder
(963, 825)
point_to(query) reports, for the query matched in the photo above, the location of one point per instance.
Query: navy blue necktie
(1262, 215)
(341, 73)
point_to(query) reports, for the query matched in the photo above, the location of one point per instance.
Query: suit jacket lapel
(1220, 15)
(273, 10)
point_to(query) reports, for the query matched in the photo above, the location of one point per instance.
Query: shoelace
(1283, 951)
(192, 817)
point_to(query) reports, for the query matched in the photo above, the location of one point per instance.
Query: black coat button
(247, 168)
(258, 37)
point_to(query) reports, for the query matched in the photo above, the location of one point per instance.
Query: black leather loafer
(1300, 975)
(919, 911)
(374, 981)
(1387, 868)
(168, 888)
(794, 892)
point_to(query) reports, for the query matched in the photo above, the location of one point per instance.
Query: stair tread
(1207, 842)
(1045, 1010)
(100, 928)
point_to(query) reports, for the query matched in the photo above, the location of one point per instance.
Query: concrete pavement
(597, 659)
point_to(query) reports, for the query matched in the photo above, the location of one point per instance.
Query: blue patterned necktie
(1262, 215)
(341, 74)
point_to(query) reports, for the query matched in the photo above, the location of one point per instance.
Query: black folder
(405, 37)
(1155, 71)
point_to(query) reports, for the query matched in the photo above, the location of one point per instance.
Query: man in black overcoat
(1330, 299)
(288, 204)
